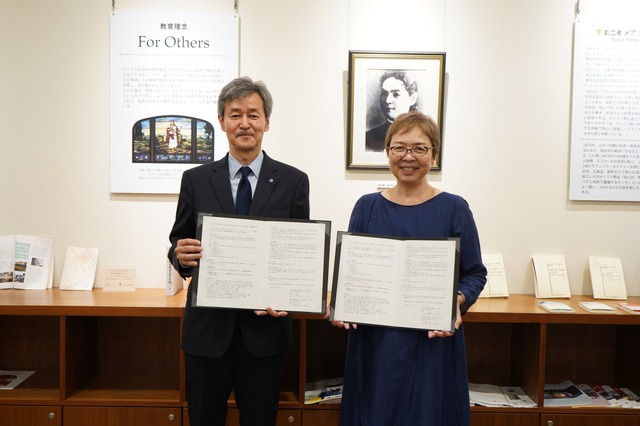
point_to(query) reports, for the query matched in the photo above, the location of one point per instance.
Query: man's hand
(272, 312)
(188, 252)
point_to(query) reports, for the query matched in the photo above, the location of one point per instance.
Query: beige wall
(506, 132)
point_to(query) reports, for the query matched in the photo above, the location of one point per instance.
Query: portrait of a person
(398, 94)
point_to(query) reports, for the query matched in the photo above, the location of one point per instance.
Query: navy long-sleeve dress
(400, 377)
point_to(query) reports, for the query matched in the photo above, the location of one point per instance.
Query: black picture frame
(421, 74)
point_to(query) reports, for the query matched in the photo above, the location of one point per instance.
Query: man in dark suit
(228, 349)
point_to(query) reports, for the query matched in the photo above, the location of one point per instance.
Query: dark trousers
(255, 383)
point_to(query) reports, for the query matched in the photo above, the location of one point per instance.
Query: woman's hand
(457, 324)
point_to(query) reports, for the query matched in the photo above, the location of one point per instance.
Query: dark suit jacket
(282, 192)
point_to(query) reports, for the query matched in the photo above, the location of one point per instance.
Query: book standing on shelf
(175, 282)
(496, 285)
(607, 278)
(79, 269)
(550, 276)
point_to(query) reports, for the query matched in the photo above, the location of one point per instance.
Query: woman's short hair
(409, 121)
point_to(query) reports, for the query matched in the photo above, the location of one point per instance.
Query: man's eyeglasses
(401, 150)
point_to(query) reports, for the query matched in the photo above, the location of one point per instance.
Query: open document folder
(397, 282)
(254, 262)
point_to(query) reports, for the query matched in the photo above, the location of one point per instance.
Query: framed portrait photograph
(383, 85)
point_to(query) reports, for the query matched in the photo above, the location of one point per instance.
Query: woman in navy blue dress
(405, 377)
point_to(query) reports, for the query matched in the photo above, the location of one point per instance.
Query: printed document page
(395, 282)
(254, 263)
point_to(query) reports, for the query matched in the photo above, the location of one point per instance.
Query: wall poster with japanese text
(167, 69)
(605, 123)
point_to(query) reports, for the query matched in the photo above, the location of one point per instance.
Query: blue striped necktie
(243, 197)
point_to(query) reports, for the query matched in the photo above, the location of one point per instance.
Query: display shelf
(100, 355)
(512, 341)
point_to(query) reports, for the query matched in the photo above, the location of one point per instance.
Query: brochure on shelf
(622, 397)
(607, 278)
(10, 379)
(496, 285)
(550, 276)
(79, 268)
(254, 262)
(597, 400)
(597, 307)
(556, 307)
(327, 391)
(26, 262)
(388, 281)
(632, 308)
(499, 396)
(565, 394)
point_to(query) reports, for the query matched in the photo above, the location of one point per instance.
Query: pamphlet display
(607, 278)
(26, 262)
(597, 308)
(496, 285)
(79, 270)
(551, 278)
(556, 307)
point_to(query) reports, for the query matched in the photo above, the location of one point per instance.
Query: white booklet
(79, 269)
(257, 262)
(607, 278)
(496, 285)
(388, 281)
(551, 278)
(499, 396)
(26, 262)
(597, 307)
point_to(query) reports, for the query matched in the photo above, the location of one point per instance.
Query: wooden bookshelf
(111, 358)
(513, 342)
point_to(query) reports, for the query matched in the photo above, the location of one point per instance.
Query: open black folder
(388, 281)
(255, 262)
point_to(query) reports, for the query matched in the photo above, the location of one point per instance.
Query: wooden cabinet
(100, 358)
(30, 415)
(589, 420)
(105, 359)
(514, 342)
(505, 419)
(110, 358)
(121, 416)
